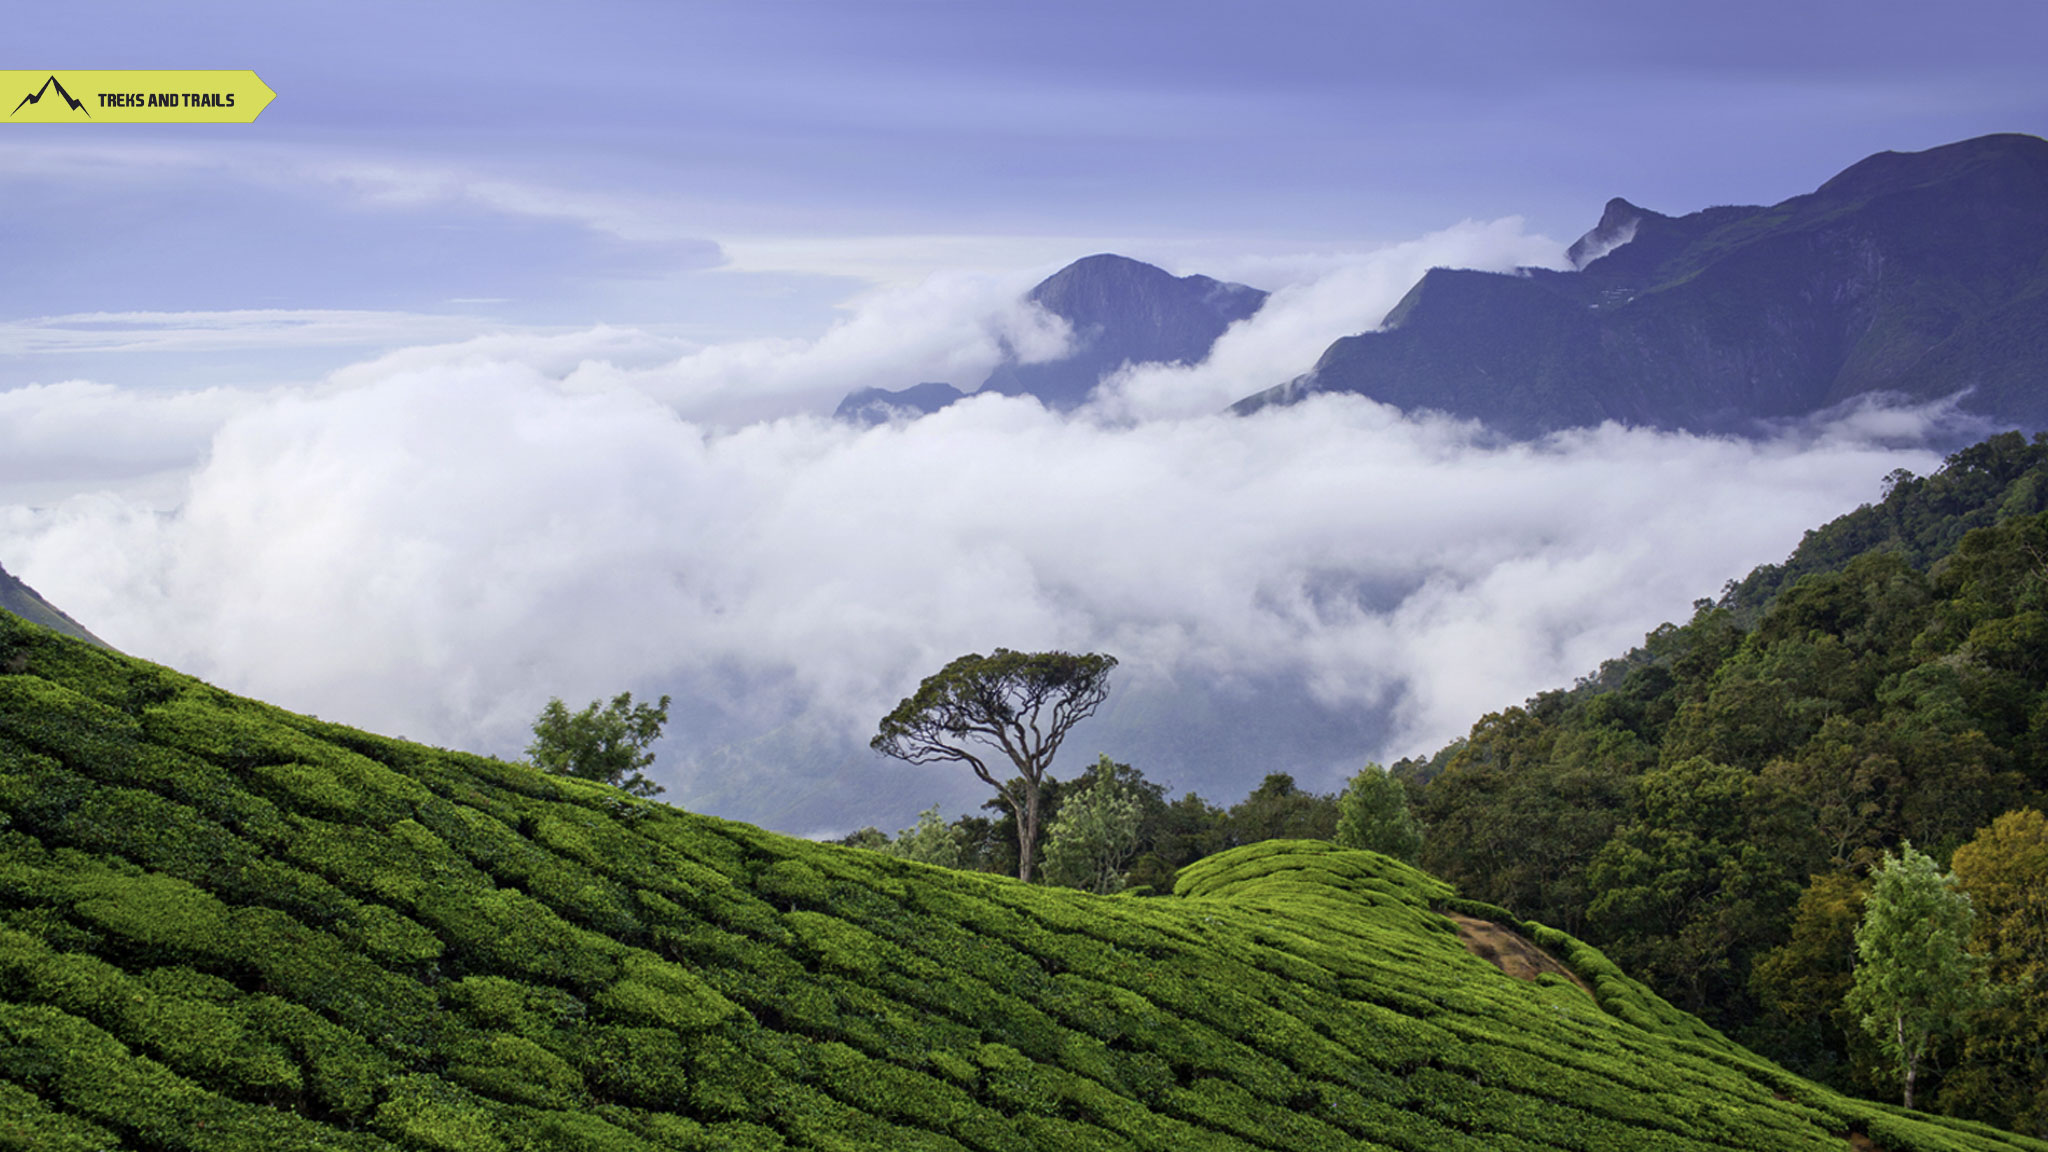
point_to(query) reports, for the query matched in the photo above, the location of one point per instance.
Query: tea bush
(223, 926)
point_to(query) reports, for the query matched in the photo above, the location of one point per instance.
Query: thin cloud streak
(233, 329)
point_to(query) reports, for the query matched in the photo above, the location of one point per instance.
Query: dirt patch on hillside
(1509, 951)
(1862, 1143)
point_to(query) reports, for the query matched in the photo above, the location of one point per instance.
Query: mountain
(881, 405)
(36, 97)
(1917, 274)
(22, 600)
(1121, 311)
(225, 926)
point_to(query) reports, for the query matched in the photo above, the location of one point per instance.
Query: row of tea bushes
(224, 926)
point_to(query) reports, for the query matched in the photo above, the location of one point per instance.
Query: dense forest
(1709, 807)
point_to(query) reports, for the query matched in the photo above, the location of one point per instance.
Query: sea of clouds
(434, 542)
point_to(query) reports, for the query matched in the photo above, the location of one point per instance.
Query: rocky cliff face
(1923, 275)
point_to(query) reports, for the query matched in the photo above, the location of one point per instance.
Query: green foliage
(1021, 704)
(2003, 1073)
(1676, 883)
(1096, 834)
(1372, 813)
(604, 742)
(1279, 810)
(930, 841)
(1885, 684)
(1915, 980)
(1801, 985)
(226, 927)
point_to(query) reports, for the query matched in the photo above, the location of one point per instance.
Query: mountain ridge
(25, 602)
(1915, 275)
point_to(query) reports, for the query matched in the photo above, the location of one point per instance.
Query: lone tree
(1020, 704)
(1373, 813)
(609, 746)
(1914, 981)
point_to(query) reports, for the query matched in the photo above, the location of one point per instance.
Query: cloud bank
(434, 543)
(437, 553)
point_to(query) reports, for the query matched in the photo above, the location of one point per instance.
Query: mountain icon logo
(36, 97)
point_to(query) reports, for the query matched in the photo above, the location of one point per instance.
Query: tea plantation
(223, 926)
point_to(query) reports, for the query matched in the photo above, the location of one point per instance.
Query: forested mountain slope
(224, 926)
(1706, 808)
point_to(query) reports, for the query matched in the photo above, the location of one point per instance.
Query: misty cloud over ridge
(437, 553)
(433, 543)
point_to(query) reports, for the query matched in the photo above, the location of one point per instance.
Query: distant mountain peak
(881, 405)
(1617, 227)
(1994, 159)
(1916, 275)
(1121, 311)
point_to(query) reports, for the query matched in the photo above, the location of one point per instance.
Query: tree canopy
(1914, 981)
(607, 743)
(2004, 1073)
(1372, 812)
(1097, 832)
(1018, 704)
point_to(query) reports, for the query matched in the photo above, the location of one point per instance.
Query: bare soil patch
(1509, 951)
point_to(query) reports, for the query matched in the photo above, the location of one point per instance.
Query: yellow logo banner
(132, 97)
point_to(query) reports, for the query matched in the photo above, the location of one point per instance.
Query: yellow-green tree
(1096, 834)
(1915, 979)
(929, 841)
(2004, 1073)
(1372, 812)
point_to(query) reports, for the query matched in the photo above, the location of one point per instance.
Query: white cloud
(434, 542)
(949, 327)
(77, 435)
(436, 550)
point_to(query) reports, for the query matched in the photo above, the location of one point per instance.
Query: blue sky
(488, 364)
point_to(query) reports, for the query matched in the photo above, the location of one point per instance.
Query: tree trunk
(1027, 834)
(1906, 1057)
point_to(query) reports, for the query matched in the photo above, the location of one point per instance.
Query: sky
(490, 363)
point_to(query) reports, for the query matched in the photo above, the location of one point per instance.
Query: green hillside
(223, 926)
(1705, 808)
